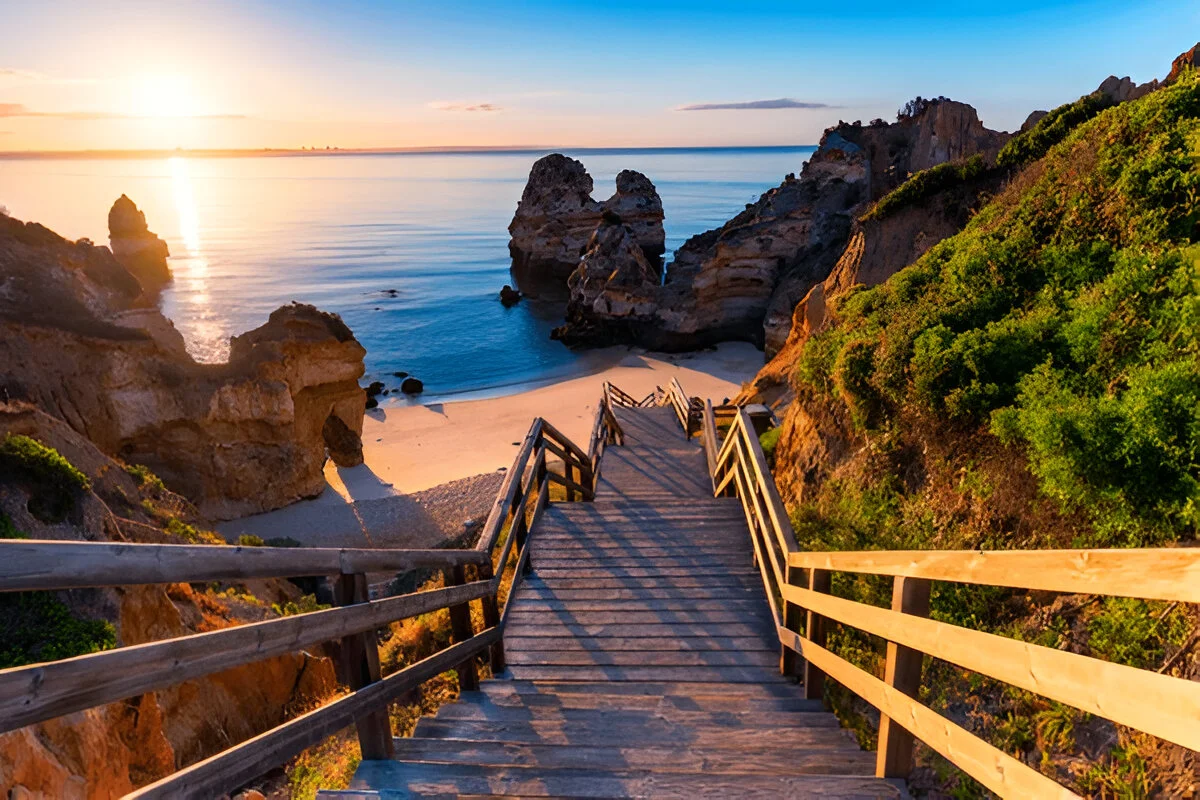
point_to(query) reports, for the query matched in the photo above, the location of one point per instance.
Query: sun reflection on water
(204, 335)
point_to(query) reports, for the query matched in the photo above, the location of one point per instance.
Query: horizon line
(239, 152)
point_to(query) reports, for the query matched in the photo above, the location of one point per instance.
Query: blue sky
(375, 74)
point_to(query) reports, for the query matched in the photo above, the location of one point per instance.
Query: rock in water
(79, 340)
(557, 215)
(509, 296)
(412, 386)
(136, 248)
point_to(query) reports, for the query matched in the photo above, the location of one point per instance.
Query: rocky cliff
(80, 339)
(742, 281)
(556, 217)
(106, 752)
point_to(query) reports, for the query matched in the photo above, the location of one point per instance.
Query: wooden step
(651, 688)
(611, 644)
(763, 659)
(641, 674)
(698, 697)
(783, 759)
(525, 602)
(540, 626)
(598, 717)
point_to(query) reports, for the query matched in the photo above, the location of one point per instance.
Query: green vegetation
(1051, 129)
(250, 540)
(145, 477)
(1065, 319)
(8, 530)
(54, 483)
(306, 604)
(769, 440)
(191, 534)
(922, 185)
(36, 627)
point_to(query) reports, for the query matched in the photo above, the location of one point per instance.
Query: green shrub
(36, 627)
(145, 477)
(283, 541)
(769, 440)
(192, 534)
(1051, 129)
(1136, 633)
(54, 482)
(250, 540)
(305, 605)
(8, 530)
(922, 185)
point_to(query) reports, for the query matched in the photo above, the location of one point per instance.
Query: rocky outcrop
(110, 750)
(556, 216)
(1184, 61)
(136, 248)
(79, 339)
(614, 291)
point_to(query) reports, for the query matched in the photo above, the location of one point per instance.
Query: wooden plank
(758, 462)
(506, 496)
(1165, 573)
(638, 572)
(44, 691)
(622, 716)
(692, 674)
(358, 666)
(30, 565)
(253, 758)
(554, 433)
(1157, 704)
(759, 659)
(755, 605)
(902, 671)
(542, 627)
(676, 691)
(616, 643)
(570, 485)
(461, 630)
(783, 759)
(995, 769)
(700, 697)
(676, 582)
(819, 581)
(543, 592)
(609, 617)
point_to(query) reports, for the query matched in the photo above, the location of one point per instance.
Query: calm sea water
(411, 249)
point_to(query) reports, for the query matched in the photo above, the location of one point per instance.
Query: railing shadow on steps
(798, 586)
(489, 574)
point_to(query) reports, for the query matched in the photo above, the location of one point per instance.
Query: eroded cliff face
(108, 751)
(80, 339)
(743, 280)
(136, 248)
(556, 217)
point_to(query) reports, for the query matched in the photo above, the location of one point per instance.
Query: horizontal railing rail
(688, 410)
(798, 588)
(39, 692)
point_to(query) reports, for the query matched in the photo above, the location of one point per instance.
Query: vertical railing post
(789, 659)
(491, 617)
(814, 679)
(358, 665)
(902, 672)
(461, 629)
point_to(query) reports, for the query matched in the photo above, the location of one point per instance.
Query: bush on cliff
(1065, 318)
(53, 482)
(36, 627)
(922, 185)
(1051, 129)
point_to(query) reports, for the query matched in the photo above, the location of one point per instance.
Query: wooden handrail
(1150, 702)
(709, 431)
(40, 565)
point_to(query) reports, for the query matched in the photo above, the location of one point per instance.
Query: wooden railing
(615, 397)
(487, 573)
(798, 587)
(688, 410)
(605, 431)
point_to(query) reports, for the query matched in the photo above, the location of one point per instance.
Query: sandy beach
(432, 469)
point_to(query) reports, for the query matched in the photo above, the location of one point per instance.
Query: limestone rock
(1190, 59)
(79, 339)
(614, 291)
(136, 248)
(556, 216)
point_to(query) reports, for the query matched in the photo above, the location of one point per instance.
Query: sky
(619, 73)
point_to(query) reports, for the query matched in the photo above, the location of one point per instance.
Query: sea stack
(556, 217)
(136, 248)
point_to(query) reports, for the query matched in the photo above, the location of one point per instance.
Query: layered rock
(79, 339)
(614, 291)
(136, 248)
(556, 216)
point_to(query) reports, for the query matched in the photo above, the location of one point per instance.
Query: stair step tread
(699, 698)
(688, 674)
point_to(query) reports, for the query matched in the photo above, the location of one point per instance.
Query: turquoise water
(411, 249)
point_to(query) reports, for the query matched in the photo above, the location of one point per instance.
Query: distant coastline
(56, 155)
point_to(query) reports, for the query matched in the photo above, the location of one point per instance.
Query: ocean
(411, 249)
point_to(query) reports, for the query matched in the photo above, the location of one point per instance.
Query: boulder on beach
(412, 386)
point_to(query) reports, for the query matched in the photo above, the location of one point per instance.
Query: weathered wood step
(762, 659)
(695, 561)
(457, 780)
(549, 573)
(673, 583)
(525, 602)
(687, 674)
(701, 697)
(617, 617)
(692, 720)
(784, 759)
(548, 592)
(651, 688)
(543, 627)
(610, 644)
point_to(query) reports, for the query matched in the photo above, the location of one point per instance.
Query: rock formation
(1188, 60)
(79, 339)
(110, 750)
(136, 248)
(557, 215)
(743, 280)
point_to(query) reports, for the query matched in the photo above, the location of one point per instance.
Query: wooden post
(491, 618)
(789, 659)
(358, 665)
(461, 629)
(903, 672)
(814, 679)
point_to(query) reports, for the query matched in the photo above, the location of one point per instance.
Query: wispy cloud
(12, 75)
(485, 107)
(10, 110)
(754, 105)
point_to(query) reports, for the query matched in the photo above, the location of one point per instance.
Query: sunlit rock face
(136, 248)
(80, 339)
(556, 217)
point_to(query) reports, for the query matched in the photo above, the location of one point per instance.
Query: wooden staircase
(643, 659)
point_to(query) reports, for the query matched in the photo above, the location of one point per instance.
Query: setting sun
(163, 95)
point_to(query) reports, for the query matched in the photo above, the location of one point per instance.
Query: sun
(163, 95)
